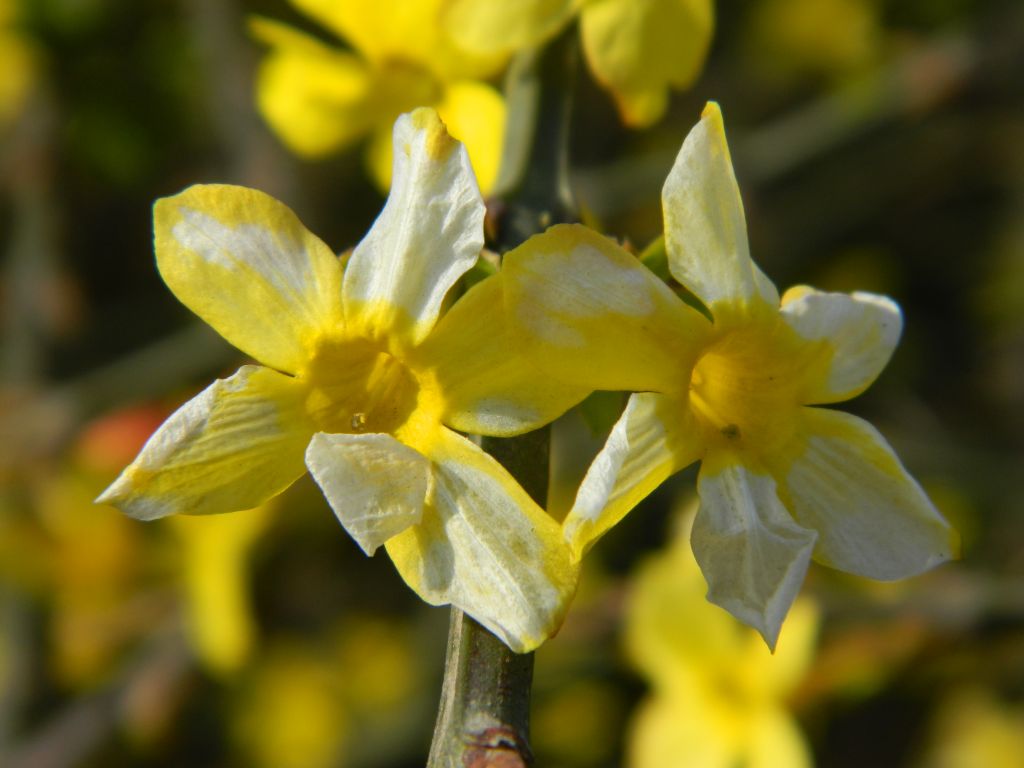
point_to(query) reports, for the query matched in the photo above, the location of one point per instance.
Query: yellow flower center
(746, 386)
(355, 387)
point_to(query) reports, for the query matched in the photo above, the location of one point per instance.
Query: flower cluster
(370, 372)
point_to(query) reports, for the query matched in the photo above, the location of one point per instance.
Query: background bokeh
(879, 145)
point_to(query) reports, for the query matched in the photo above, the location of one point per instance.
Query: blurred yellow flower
(214, 576)
(367, 381)
(718, 695)
(17, 63)
(779, 481)
(320, 98)
(637, 49)
(973, 728)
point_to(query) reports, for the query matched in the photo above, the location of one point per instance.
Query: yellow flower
(718, 696)
(637, 49)
(364, 381)
(17, 62)
(779, 480)
(320, 98)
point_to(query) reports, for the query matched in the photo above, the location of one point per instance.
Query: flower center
(356, 387)
(745, 387)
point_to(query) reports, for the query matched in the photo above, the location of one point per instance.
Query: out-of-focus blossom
(365, 379)
(779, 481)
(973, 728)
(18, 63)
(818, 37)
(719, 694)
(215, 554)
(637, 49)
(320, 98)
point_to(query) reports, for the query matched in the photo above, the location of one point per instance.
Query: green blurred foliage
(878, 146)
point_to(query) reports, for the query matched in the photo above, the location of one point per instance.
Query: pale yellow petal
(705, 228)
(674, 731)
(485, 547)
(429, 233)
(375, 485)
(411, 31)
(871, 516)
(488, 386)
(244, 263)
(475, 115)
(485, 25)
(641, 48)
(862, 330)
(752, 553)
(589, 313)
(773, 740)
(654, 438)
(233, 446)
(317, 99)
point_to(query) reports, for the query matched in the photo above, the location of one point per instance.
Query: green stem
(484, 716)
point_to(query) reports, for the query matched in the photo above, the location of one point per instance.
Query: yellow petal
(641, 48)
(674, 731)
(429, 233)
(244, 263)
(872, 517)
(484, 25)
(485, 547)
(654, 438)
(705, 229)
(861, 329)
(589, 313)
(402, 30)
(752, 553)
(375, 485)
(220, 623)
(233, 446)
(773, 739)
(316, 98)
(488, 386)
(475, 115)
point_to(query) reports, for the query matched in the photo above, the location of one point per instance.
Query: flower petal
(488, 386)
(484, 25)
(862, 330)
(316, 98)
(654, 438)
(244, 263)
(429, 233)
(485, 547)
(589, 313)
(752, 554)
(705, 229)
(872, 517)
(231, 447)
(639, 48)
(375, 485)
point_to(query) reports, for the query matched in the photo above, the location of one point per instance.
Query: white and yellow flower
(320, 98)
(364, 382)
(780, 482)
(637, 49)
(718, 694)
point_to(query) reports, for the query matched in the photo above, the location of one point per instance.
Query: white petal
(485, 547)
(862, 330)
(705, 229)
(654, 438)
(233, 446)
(429, 233)
(753, 556)
(872, 517)
(375, 484)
